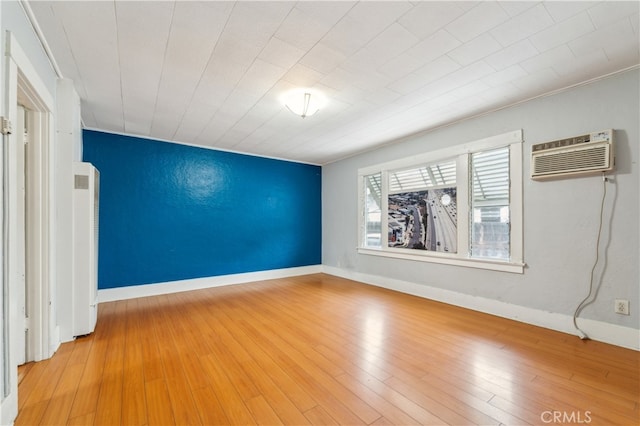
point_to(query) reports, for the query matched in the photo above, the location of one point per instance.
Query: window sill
(494, 265)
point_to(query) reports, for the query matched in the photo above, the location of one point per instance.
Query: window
(490, 204)
(373, 224)
(459, 206)
(422, 208)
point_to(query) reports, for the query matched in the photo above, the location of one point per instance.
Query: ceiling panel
(523, 25)
(212, 73)
(563, 32)
(475, 49)
(428, 17)
(141, 59)
(481, 18)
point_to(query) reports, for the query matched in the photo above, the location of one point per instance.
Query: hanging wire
(583, 303)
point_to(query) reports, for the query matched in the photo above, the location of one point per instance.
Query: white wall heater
(85, 247)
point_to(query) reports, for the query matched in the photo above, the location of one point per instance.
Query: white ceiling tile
(323, 58)
(237, 104)
(467, 91)
(425, 75)
(476, 49)
(430, 16)
(300, 29)
(606, 13)
(511, 55)
(363, 61)
(584, 64)
(108, 115)
(254, 22)
(59, 43)
(350, 35)
(401, 66)
(482, 18)
(197, 115)
(216, 128)
(232, 138)
(141, 60)
(379, 14)
(522, 26)
(619, 35)
(88, 117)
(198, 26)
(506, 75)
(165, 123)
(255, 118)
(501, 95)
(280, 53)
(260, 77)
(434, 46)
(329, 13)
(438, 68)
(635, 23)
(451, 81)
(541, 81)
(622, 56)
(344, 80)
(392, 41)
(99, 67)
(561, 10)
(515, 8)
(382, 96)
(562, 32)
(218, 81)
(302, 76)
(559, 55)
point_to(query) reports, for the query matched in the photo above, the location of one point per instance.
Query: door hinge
(5, 126)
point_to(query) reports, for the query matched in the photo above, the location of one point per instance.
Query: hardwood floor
(323, 350)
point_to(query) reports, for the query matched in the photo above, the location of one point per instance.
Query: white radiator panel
(86, 209)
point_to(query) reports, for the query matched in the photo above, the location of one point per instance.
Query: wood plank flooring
(323, 350)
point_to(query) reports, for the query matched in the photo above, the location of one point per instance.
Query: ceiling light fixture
(304, 102)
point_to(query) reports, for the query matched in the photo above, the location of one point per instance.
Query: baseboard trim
(596, 330)
(132, 292)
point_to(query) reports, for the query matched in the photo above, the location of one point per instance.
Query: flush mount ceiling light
(304, 102)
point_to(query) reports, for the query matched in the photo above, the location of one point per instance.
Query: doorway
(27, 232)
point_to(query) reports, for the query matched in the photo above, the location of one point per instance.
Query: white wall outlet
(621, 307)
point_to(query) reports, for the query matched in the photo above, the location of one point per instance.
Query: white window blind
(434, 175)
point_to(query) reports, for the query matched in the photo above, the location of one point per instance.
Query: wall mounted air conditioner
(86, 194)
(586, 154)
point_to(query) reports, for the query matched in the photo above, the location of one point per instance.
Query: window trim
(514, 141)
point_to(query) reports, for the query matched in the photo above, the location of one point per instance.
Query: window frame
(461, 153)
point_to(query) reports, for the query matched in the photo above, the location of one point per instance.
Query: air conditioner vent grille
(583, 154)
(587, 159)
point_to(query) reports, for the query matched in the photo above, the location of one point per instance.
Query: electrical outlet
(621, 307)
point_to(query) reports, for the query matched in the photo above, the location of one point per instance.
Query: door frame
(22, 83)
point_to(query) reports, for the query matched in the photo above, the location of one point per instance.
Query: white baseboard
(596, 330)
(132, 292)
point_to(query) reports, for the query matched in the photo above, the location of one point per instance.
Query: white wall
(560, 216)
(68, 147)
(14, 19)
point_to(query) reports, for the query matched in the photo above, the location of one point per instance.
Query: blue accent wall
(173, 212)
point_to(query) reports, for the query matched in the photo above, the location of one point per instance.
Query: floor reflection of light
(489, 368)
(373, 335)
